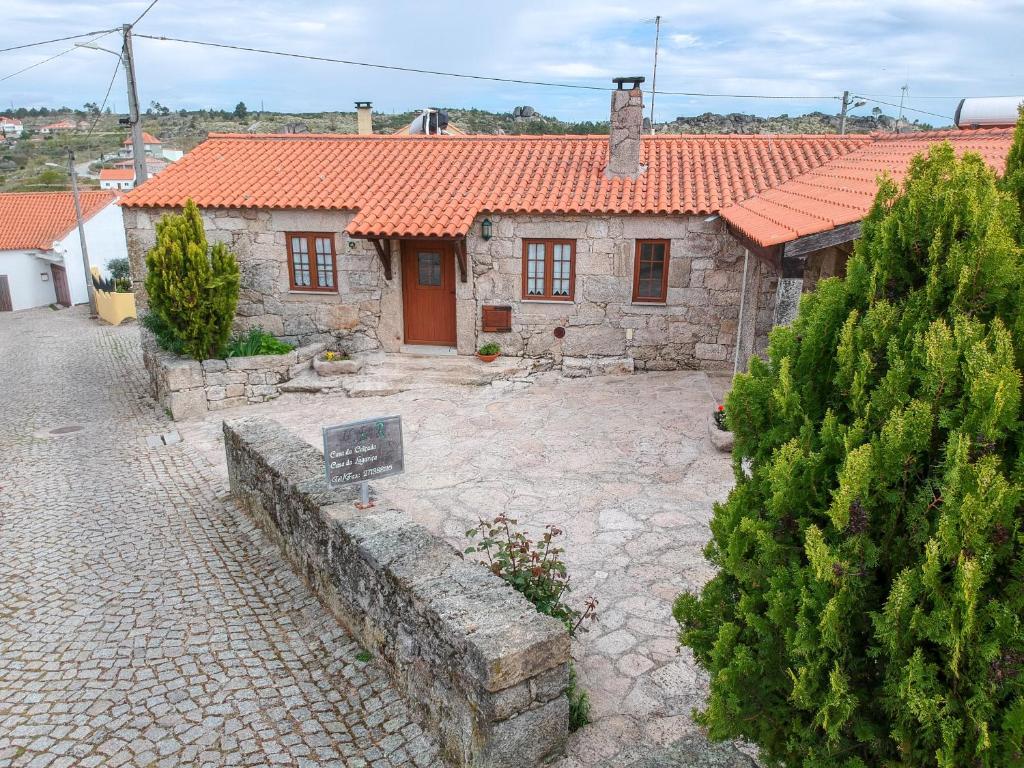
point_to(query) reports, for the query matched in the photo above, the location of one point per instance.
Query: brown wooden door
(428, 292)
(6, 305)
(60, 285)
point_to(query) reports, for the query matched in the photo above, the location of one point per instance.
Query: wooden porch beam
(384, 254)
(802, 246)
(460, 256)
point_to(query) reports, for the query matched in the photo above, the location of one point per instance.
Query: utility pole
(138, 145)
(842, 114)
(899, 118)
(81, 233)
(654, 77)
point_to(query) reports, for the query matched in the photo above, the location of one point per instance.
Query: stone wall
(190, 388)
(484, 670)
(697, 327)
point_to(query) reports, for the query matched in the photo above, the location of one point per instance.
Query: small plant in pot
(488, 352)
(331, 363)
(718, 430)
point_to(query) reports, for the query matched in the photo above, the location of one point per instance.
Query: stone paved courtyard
(143, 619)
(622, 464)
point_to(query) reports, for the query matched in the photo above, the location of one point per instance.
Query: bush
(165, 336)
(193, 289)
(489, 349)
(868, 607)
(119, 269)
(256, 342)
(537, 571)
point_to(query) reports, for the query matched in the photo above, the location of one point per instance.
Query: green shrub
(119, 269)
(192, 288)
(867, 611)
(256, 342)
(579, 702)
(165, 336)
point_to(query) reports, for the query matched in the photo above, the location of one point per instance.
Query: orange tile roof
(842, 191)
(147, 138)
(402, 186)
(34, 220)
(117, 174)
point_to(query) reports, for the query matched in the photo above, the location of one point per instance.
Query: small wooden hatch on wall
(496, 318)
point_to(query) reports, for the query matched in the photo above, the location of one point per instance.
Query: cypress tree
(193, 289)
(868, 605)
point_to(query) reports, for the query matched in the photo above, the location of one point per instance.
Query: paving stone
(141, 610)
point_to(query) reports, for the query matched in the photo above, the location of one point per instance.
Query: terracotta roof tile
(117, 174)
(842, 190)
(403, 186)
(34, 220)
(147, 138)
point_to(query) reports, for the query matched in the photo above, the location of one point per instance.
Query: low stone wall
(190, 388)
(481, 667)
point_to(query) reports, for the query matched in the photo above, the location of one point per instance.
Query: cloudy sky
(805, 50)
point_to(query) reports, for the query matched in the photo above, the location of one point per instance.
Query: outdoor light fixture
(352, 244)
(485, 229)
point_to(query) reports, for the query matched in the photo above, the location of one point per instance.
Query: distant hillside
(22, 163)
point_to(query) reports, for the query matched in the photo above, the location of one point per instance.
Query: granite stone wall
(697, 326)
(189, 388)
(482, 668)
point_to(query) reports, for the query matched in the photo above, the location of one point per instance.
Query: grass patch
(364, 656)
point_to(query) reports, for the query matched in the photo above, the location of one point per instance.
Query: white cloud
(683, 40)
(574, 69)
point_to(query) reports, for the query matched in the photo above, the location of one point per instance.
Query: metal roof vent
(431, 122)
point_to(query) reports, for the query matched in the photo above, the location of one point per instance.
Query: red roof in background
(34, 220)
(147, 138)
(843, 191)
(117, 174)
(434, 186)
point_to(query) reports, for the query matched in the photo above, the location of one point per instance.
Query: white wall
(23, 271)
(104, 236)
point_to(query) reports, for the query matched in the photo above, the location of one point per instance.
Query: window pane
(429, 265)
(324, 263)
(300, 261)
(651, 268)
(561, 269)
(535, 269)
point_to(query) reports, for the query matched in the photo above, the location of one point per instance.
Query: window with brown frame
(650, 271)
(311, 262)
(549, 269)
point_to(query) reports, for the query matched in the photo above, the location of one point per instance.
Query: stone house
(651, 252)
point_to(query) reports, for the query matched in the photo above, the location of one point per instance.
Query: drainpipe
(739, 323)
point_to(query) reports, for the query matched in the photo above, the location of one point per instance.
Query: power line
(99, 114)
(908, 109)
(310, 57)
(141, 15)
(56, 40)
(55, 56)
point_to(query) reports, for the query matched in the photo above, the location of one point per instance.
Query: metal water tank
(988, 112)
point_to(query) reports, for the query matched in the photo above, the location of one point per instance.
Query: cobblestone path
(143, 619)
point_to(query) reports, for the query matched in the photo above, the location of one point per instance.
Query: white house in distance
(152, 145)
(121, 179)
(11, 127)
(40, 250)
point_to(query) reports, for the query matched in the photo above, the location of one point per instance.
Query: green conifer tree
(869, 604)
(193, 289)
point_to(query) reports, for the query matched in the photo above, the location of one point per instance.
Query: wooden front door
(60, 285)
(428, 292)
(6, 305)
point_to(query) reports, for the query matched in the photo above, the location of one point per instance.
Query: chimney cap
(364, 104)
(634, 81)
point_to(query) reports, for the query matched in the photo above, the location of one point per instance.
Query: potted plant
(332, 363)
(488, 352)
(718, 430)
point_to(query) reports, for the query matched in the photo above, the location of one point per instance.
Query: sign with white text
(363, 450)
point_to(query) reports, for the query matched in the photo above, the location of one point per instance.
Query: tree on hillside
(241, 110)
(192, 288)
(869, 605)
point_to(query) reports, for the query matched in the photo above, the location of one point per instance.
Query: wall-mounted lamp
(485, 229)
(44, 277)
(352, 244)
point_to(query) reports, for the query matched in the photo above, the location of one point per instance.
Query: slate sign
(363, 450)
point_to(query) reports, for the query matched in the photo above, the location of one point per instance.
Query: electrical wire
(57, 40)
(141, 15)
(310, 57)
(113, 77)
(55, 56)
(905, 107)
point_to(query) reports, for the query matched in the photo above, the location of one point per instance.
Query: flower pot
(336, 367)
(721, 439)
(487, 358)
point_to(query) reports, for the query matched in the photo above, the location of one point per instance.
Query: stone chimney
(627, 118)
(364, 117)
